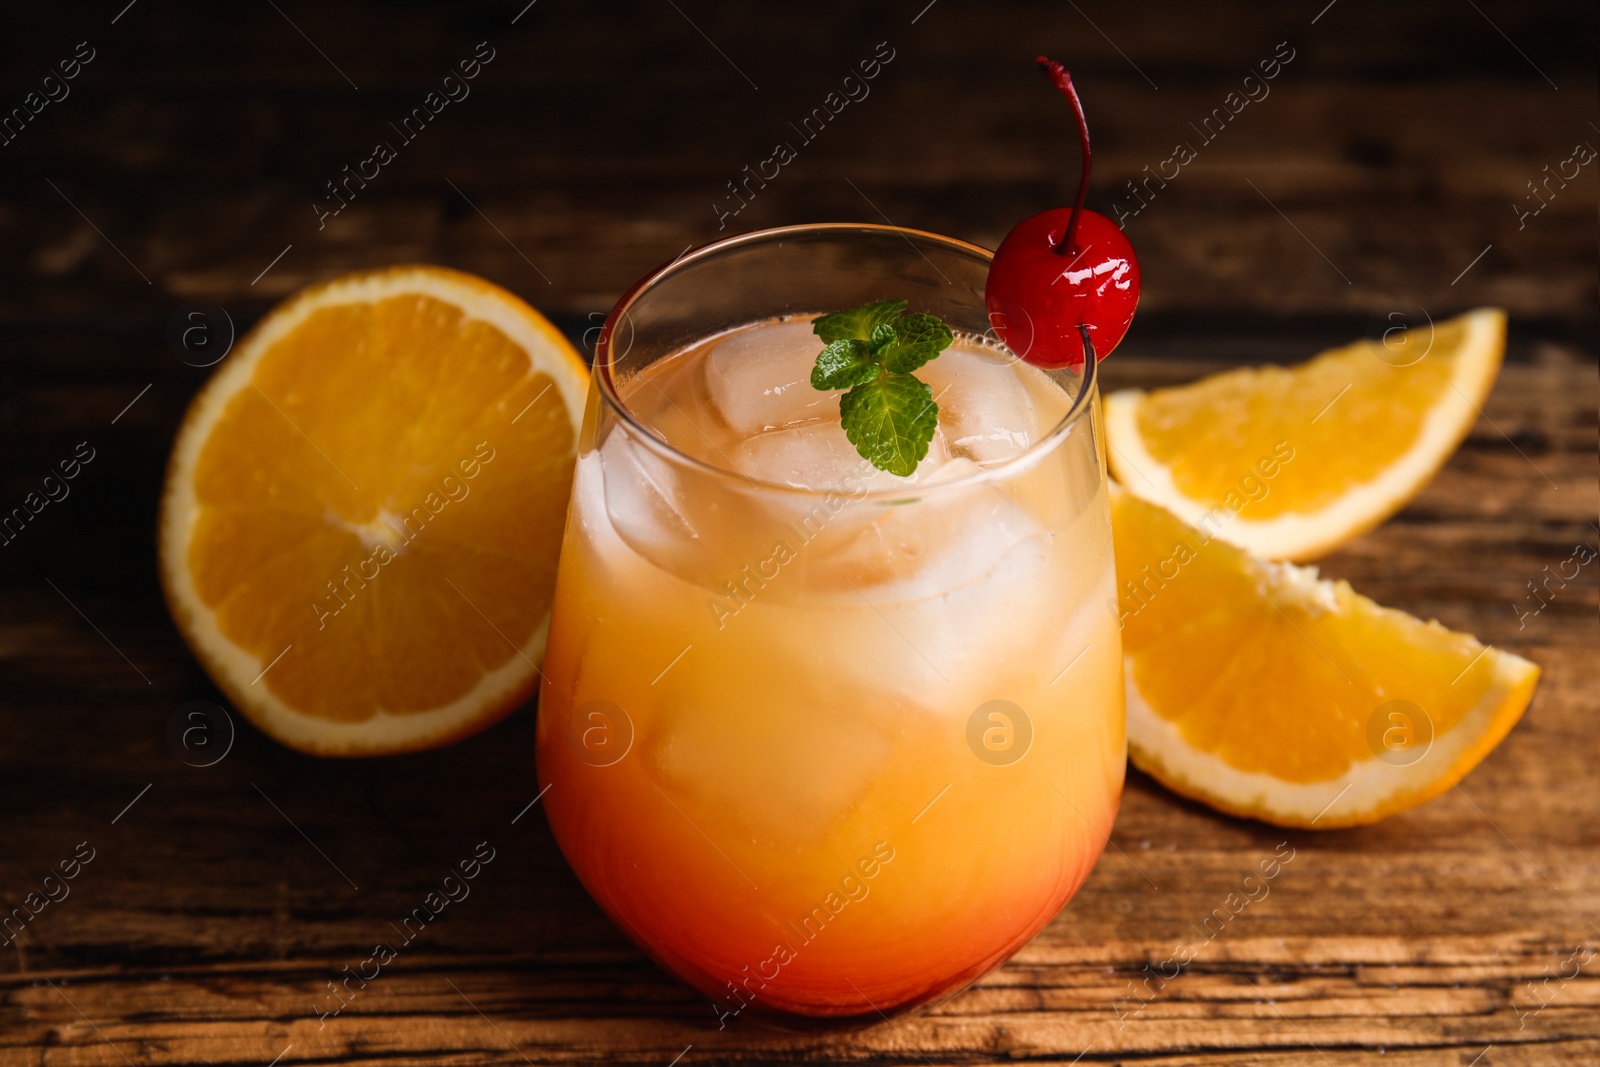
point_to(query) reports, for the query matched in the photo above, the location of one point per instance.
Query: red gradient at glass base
(838, 930)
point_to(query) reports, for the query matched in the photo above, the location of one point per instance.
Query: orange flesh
(1376, 420)
(405, 446)
(1265, 679)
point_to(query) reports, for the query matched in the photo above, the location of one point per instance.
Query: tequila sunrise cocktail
(829, 742)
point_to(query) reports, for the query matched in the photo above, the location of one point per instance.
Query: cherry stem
(1063, 81)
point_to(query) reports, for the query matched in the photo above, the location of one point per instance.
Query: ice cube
(984, 408)
(760, 379)
(943, 652)
(643, 500)
(693, 523)
(589, 505)
(942, 586)
(937, 545)
(819, 456)
(781, 769)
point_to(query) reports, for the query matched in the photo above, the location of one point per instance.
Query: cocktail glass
(829, 753)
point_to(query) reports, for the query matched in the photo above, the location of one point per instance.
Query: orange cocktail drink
(829, 742)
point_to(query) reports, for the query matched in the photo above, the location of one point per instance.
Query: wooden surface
(1386, 158)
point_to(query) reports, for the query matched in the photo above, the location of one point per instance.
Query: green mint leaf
(888, 413)
(883, 335)
(890, 420)
(857, 323)
(919, 338)
(843, 364)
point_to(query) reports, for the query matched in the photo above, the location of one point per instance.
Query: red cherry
(1063, 274)
(1038, 297)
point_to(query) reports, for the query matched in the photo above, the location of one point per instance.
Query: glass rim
(604, 368)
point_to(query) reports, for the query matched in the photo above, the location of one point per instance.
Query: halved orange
(1265, 691)
(364, 508)
(1293, 462)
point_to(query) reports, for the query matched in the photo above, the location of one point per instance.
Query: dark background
(1378, 176)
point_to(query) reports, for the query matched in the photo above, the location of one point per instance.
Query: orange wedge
(364, 507)
(1293, 462)
(1264, 691)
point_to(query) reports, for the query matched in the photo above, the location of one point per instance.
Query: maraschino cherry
(1063, 275)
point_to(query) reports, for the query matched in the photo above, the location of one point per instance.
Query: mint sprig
(888, 413)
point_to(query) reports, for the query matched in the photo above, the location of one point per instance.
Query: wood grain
(1387, 156)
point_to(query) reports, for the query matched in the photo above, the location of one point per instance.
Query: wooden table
(1378, 175)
